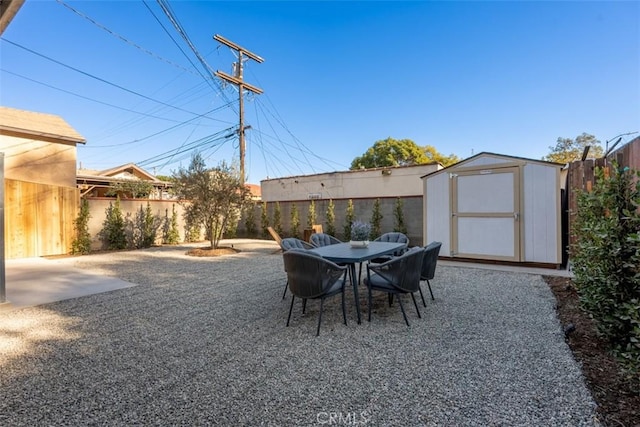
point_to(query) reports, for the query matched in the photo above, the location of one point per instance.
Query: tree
(376, 220)
(390, 152)
(135, 189)
(82, 243)
(212, 196)
(348, 220)
(277, 219)
(331, 218)
(567, 150)
(434, 156)
(264, 220)
(113, 233)
(171, 233)
(295, 221)
(398, 223)
(311, 214)
(250, 219)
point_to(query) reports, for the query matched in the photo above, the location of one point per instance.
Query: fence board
(38, 219)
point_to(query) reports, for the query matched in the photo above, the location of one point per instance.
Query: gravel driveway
(202, 341)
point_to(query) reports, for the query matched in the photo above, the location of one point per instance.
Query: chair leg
(422, 296)
(403, 312)
(319, 316)
(304, 305)
(290, 309)
(370, 304)
(416, 304)
(429, 284)
(344, 309)
(286, 285)
(390, 299)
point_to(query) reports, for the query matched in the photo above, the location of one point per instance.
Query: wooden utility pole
(242, 85)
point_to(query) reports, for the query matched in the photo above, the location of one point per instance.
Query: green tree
(213, 196)
(135, 189)
(348, 220)
(331, 218)
(434, 156)
(295, 221)
(390, 152)
(82, 242)
(113, 234)
(311, 214)
(171, 235)
(250, 219)
(264, 220)
(568, 150)
(277, 219)
(398, 213)
(376, 220)
(145, 227)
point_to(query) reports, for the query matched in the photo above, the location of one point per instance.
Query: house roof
(488, 154)
(38, 124)
(256, 190)
(125, 172)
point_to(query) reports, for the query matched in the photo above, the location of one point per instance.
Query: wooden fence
(581, 176)
(39, 219)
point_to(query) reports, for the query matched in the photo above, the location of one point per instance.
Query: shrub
(348, 220)
(264, 220)
(295, 221)
(606, 259)
(171, 235)
(277, 219)
(250, 219)
(82, 242)
(311, 214)
(331, 218)
(113, 233)
(376, 219)
(398, 214)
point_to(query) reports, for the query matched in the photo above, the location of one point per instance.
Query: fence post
(3, 293)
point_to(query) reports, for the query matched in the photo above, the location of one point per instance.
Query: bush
(295, 221)
(606, 260)
(376, 220)
(331, 218)
(171, 235)
(398, 213)
(250, 219)
(82, 242)
(113, 233)
(348, 220)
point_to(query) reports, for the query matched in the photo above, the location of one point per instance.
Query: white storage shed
(496, 207)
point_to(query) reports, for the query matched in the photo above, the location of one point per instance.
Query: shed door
(485, 214)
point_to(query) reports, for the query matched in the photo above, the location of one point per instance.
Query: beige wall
(370, 183)
(42, 162)
(160, 208)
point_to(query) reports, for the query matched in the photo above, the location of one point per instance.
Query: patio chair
(399, 275)
(323, 239)
(289, 243)
(312, 277)
(393, 237)
(431, 252)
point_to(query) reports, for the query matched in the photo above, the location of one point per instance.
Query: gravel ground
(202, 341)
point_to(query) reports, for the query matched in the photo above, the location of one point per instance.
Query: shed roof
(495, 155)
(38, 124)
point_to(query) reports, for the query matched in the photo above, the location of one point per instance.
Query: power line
(96, 77)
(124, 39)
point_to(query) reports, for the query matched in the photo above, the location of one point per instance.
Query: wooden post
(3, 293)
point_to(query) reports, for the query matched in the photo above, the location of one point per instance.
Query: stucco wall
(42, 162)
(160, 208)
(370, 183)
(363, 208)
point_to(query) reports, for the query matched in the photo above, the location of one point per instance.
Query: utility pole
(242, 85)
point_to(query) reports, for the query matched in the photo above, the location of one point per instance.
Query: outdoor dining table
(344, 253)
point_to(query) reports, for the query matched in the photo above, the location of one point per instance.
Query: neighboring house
(256, 192)
(41, 197)
(497, 207)
(98, 183)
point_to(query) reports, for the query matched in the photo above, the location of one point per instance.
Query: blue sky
(465, 77)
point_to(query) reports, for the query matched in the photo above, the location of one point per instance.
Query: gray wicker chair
(399, 275)
(289, 243)
(312, 277)
(323, 239)
(431, 252)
